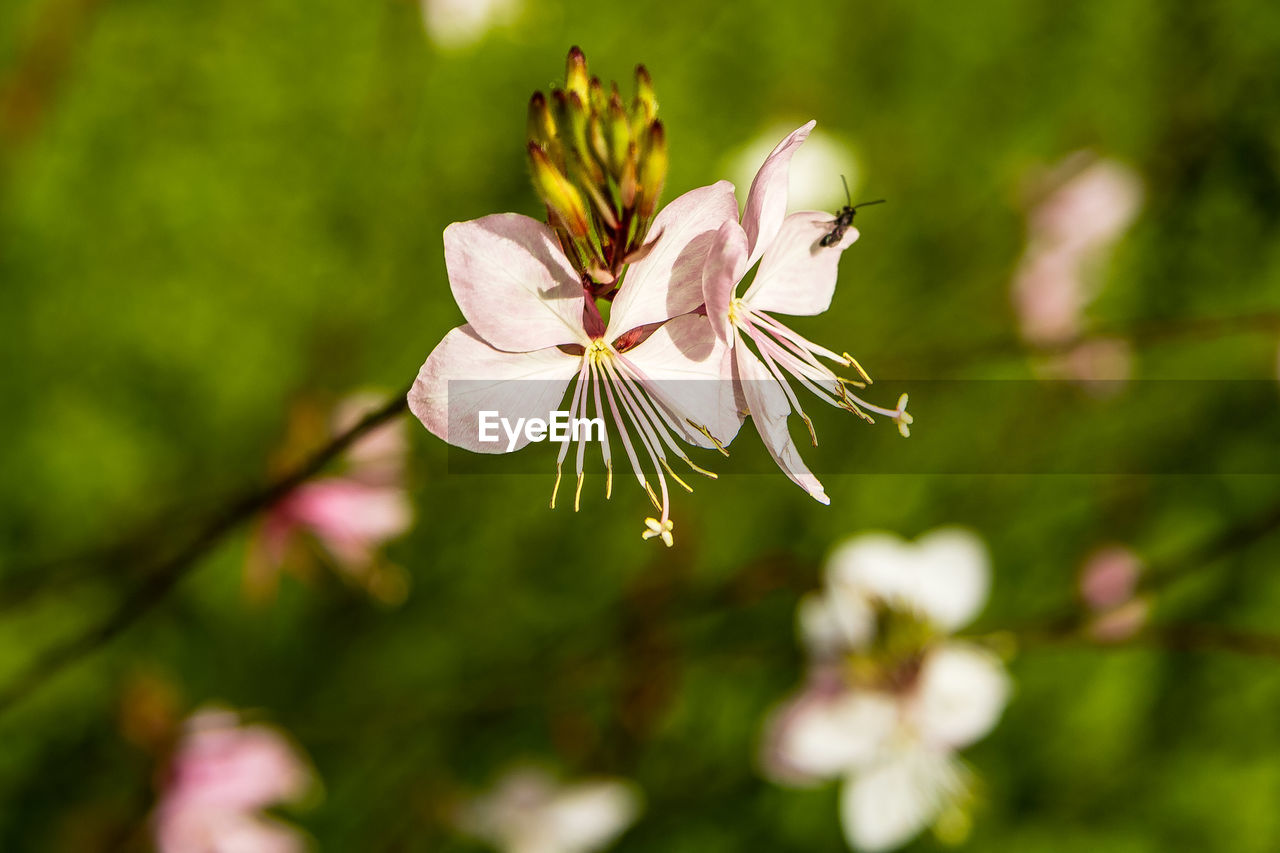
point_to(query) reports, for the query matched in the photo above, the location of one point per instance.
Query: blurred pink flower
(350, 515)
(223, 775)
(1108, 585)
(891, 697)
(797, 276)
(1089, 204)
(529, 812)
(1109, 577)
(533, 330)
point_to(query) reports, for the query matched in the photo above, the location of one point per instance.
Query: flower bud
(575, 72)
(560, 196)
(599, 163)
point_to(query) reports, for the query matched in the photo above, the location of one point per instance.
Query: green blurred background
(211, 210)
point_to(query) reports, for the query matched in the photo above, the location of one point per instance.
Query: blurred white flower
(816, 167)
(529, 812)
(891, 697)
(1109, 586)
(222, 776)
(459, 23)
(1086, 205)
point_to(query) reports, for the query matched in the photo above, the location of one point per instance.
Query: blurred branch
(1140, 334)
(1182, 638)
(42, 63)
(160, 581)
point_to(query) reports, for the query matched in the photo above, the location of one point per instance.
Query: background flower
(529, 812)
(223, 775)
(891, 697)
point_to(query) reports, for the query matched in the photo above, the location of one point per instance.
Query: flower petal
(769, 410)
(960, 695)
(837, 620)
(726, 265)
(886, 806)
(683, 365)
(464, 376)
(667, 282)
(944, 576)
(513, 283)
(797, 274)
(767, 200)
(818, 735)
(951, 578)
(590, 815)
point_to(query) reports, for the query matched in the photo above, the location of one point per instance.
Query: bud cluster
(599, 165)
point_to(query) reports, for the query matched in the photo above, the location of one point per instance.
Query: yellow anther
(700, 428)
(653, 497)
(555, 489)
(577, 495)
(853, 362)
(653, 528)
(687, 487)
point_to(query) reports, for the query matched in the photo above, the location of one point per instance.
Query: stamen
(777, 374)
(675, 476)
(577, 495)
(556, 488)
(853, 362)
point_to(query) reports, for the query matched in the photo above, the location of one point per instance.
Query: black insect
(845, 217)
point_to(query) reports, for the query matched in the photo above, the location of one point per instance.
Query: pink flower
(1109, 586)
(532, 330)
(223, 775)
(1089, 205)
(796, 275)
(350, 516)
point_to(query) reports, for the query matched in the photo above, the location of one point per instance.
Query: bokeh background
(211, 212)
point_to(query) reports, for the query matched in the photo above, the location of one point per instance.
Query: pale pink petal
(726, 265)
(513, 283)
(590, 815)
(683, 364)
(961, 691)
(819, 735)
(199, 830)
(1121, 623)
(350, 518)
(377, 457)
(464, 376)
(223, 765)
(668, 281)
(254, 834)
(797, 274)
(1049, 296)
(770, 408)
(767, 200)
(886, 806)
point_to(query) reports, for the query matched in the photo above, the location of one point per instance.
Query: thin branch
(1140, 333)
(1182, 638)
(158, 583)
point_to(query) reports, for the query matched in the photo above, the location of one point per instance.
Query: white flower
(459, 23)
(816, 168)
(892, 696)
(528, 812)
